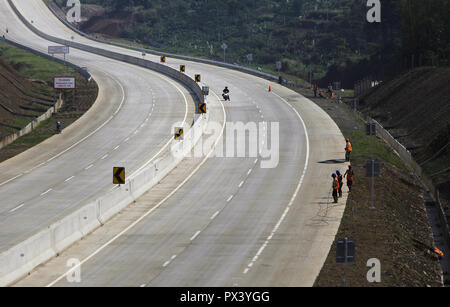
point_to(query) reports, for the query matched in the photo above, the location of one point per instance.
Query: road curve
(233, 222)
(128, 125)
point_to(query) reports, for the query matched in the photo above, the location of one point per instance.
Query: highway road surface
(128, 125)
(231, 222)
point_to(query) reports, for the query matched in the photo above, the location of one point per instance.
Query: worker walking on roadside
(315, 89)
(350, 176)
(340, 179)
(335, 187)
(58, 127)
(348, 150)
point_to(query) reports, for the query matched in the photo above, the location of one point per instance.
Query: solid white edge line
(283, 216)
(83, 139)
(152, 209)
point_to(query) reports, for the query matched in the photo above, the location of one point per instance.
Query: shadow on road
(333, 161)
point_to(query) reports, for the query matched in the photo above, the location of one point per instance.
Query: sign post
(372, 167)
(345, 253)
(224, 47)
(59, 50)
(64, 83)
(119, 175)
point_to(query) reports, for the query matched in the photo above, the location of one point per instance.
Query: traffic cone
(270, 89)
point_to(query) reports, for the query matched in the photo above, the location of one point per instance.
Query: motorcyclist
(225, 93)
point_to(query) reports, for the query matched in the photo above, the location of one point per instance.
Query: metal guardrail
(82, 71)
(406, 156)
(187, 81)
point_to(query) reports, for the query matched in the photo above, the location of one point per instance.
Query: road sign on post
(64, 83)
(198, 78)
(373, 168)
(163, 59)
(202, 108)
(345, 253)
(279, 65)
(205, 90)
(371, 129)
(58, 50)
(337, 86)
(249, 57)
(224, 47)
(178, 133)
(182, 68)
(119, 175)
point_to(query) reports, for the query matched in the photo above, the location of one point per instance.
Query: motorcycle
(226, 97)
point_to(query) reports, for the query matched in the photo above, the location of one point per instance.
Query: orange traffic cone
(270, 89)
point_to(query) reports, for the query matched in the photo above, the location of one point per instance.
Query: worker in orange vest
(439, 253)
(348, 150)
(335, 187)
(349, 174)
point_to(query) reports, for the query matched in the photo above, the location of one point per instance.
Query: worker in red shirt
(350, 175)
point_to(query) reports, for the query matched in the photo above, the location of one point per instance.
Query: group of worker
(330, 92)
(338, 178)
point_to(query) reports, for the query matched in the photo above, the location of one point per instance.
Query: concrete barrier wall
(5, 141)
(25, 256)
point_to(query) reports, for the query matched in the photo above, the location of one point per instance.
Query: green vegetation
(30, 65)
(18, 67)
(380, 151)
(330, 38)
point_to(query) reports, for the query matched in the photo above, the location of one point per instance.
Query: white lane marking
(89, 167)
(173, 257)
(17, 208)
(215, 215)
(256, 161)
(297, 189)
(104, 157)
(42, 194)
(143, 285)
(205, 159)
(170, 139)
(9, 180)
(70, 178)
(230, 198)
(83, 139)
(241, 184)
(127, 139)
(117, 147)
(166, 263)
(249, 171)
(195, 235)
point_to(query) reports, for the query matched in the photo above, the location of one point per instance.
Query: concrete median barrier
(25, 256)
(49, 242)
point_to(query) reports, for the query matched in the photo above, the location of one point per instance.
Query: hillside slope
(20, 99)
(415, 108)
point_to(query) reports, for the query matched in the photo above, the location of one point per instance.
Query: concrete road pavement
(233, 222)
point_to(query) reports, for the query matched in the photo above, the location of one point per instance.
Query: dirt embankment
(20, 98)
(415, 108)
(389, 233)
